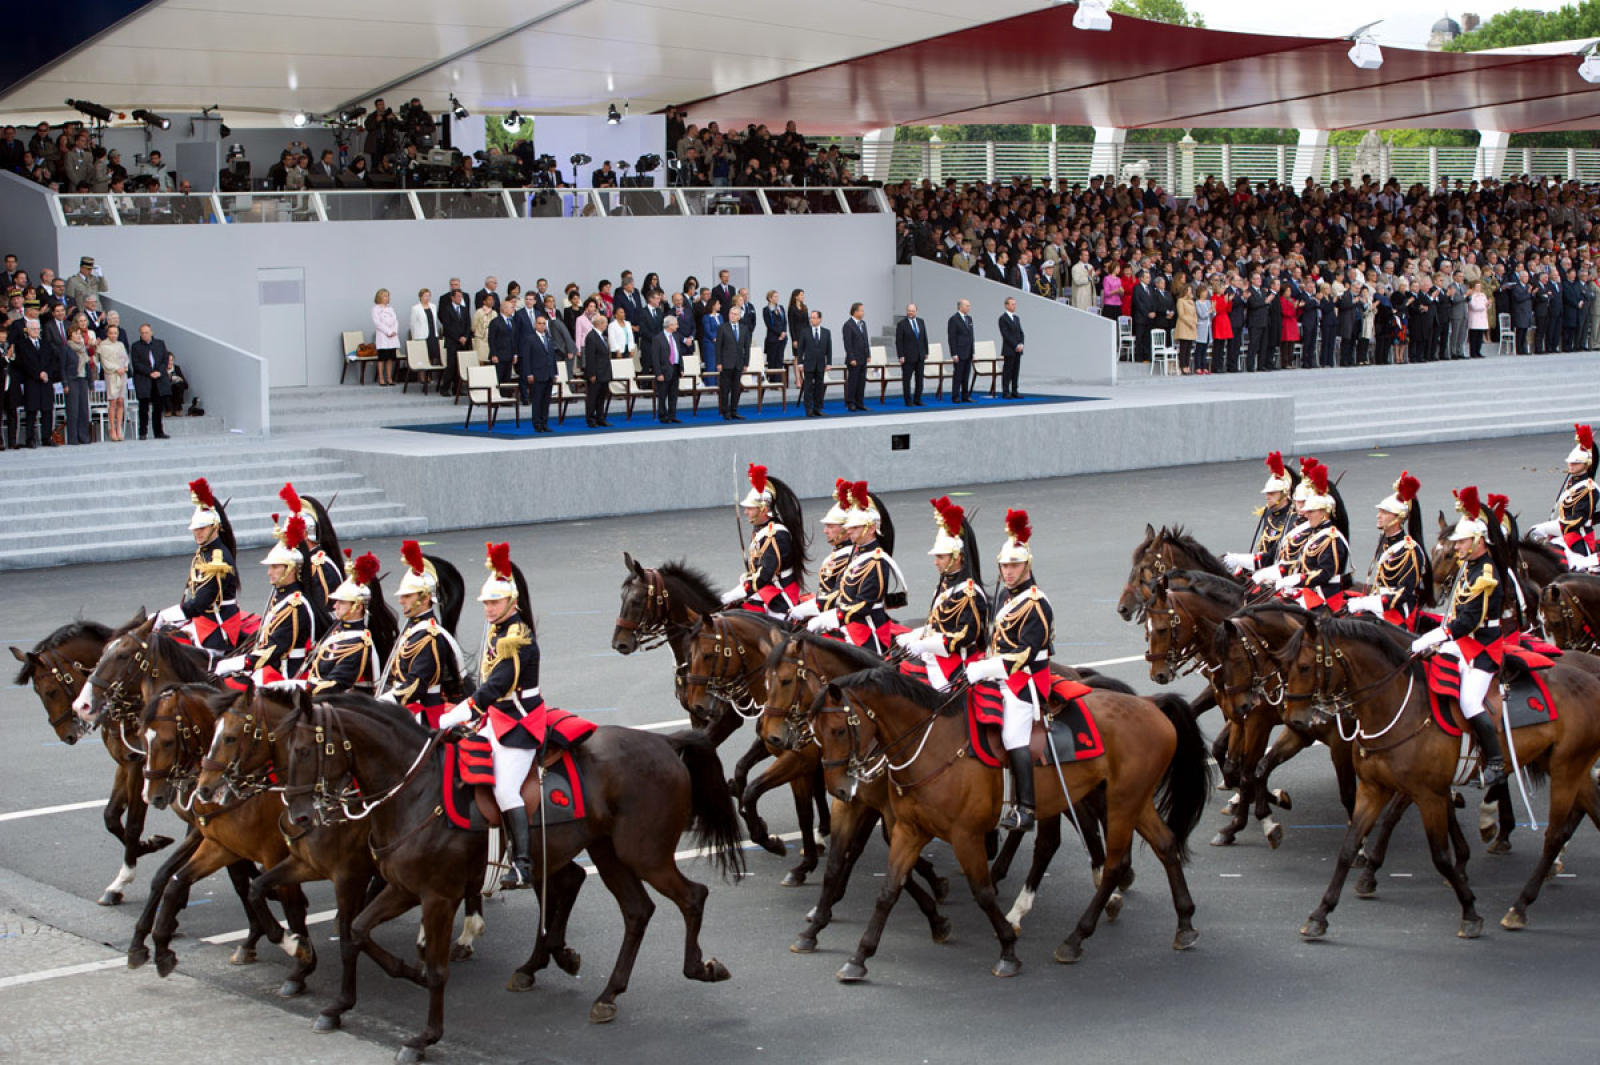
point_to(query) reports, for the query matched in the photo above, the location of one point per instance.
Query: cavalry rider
(507, 708)
(348, 657)
(1319, 576)
(209, 613)
(831, 572)
(289, 624)
(1274, 522)
(1572, 519)
(957, 628)
(1400, 581)
(324, 574)
(1020, 645)
(860, 609)
(424, 672)
(775, 560)
(1472, 625)
(1286, 556)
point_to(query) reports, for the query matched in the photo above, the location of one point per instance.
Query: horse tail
(1181, 796)
(713, 821)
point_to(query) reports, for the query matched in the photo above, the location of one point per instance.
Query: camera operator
(604, 177)
(383, 132)
(235, 176)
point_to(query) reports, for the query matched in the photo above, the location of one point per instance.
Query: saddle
(468, 775)
(1521, 671)
(1072, 731)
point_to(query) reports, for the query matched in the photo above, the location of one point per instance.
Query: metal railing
(369, 205)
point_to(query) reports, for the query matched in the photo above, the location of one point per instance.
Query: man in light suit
(666, 359)
(1010, 350)
(84, 283)
(596, 370)
(958, 336)
(536, 363)
(911, 348)
(857, 349)
(816, 355)
(733, 355)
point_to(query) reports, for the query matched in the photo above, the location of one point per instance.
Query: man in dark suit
(1021, 275)
(1237, 312)
(911, 348)
(666, 360)
(490, 288)
(1255, 317)
(30, 369)
(1349, 326)
(650, 321)
(148, 363)
(733, 355)
(857, 349)
(1541, 315)
(1574, 303)
(1166, 309)
(723, 292)
(959, 340)
(816, 355)
(1010, 350)
(595, 366)
(503, 344)
(54, 334)
(455, 326)
(1144, 316)
(1521, 310)
(536, 363)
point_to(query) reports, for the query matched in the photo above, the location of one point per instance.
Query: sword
(738, 526)
(1050, 741)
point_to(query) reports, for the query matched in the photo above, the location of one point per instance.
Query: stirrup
(1494, 773)
(1020, 819)
(519, 874)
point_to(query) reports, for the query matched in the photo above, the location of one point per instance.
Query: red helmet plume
(1468, 504)
(758, 478)
(499, 559)
(411, 551)
(950, 516)
(1318, 475)
(1498, 505)
(291, 498)
(1585, 437)
(365, 569)
(294, 534)
(201, 491)
(1406, 488)
(1275, 464)
(1017, 526)
(841, 493)
(861, 497)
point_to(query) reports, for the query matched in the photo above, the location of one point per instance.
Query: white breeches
(936, 678)
(511, 765)
(1017, 727)
(1474, 686)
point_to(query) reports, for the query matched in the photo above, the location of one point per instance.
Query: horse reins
(1580, 633)
(735, 690)
(649, 630)
(61, 670)
(1328, 655)
(1180, 659)
(257, 781)
(1259, 657)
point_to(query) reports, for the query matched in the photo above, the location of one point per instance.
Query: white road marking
(1109, 662)
(235, 937)
(1230, 876)
(65, 970)
(701, 852)
(40, 811)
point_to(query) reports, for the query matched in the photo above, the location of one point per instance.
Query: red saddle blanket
(468, 777)
(1073, 732)
(1527, 697)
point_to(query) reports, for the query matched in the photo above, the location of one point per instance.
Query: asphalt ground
(1391, 981)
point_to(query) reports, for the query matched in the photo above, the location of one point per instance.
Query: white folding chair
(350, 342)
(1125, 344)
(1508, 337)
(1162, 353)
(485, 390)
(418, 365)
(99, 409)
(881, 370)
(987, 362)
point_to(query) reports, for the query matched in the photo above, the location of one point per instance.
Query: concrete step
(253, 479)
(1434, 431)
(166, 511)
(1485, 410)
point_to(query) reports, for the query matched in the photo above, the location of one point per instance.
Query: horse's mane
(1229, 591)
(858, 657)
(72, 630)
(1544, 550)
(201, 690)
(1203, 557)
(388, 714)
(695, 585)
(190, 664)
(1371, 632)
(886, 680)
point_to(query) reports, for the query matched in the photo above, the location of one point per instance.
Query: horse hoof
(1471, 928)
(1514, 921)
(1068, 952)
(1315, 928)
(409, 1056)
(110, 898)
(1499, 846)
(852, 973)
(1114, 905)
(1007, 967)
(804, 945)
(520, 981)
(325, 1023)
(941, 889)
(138, 956)
(602, 1013)
(1223, 785)
(1222, 839)
(292, 989)
(1367, 885)
(568, 961)
(1230, 807)
(941, 930)
(716, 972)
(1488, 821)
(242, 956)
(1186, 938)
(1362, 860)
(1099, 871)
(460, 952)
(151, 844)
(1281, 799)
(793, 878)
(1274, 833)
(166, 961)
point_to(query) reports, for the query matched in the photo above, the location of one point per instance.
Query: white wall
(204, 276)
(1064, 345)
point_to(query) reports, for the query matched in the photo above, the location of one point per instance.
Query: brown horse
(1533, 563)
(1154, 774)
(1569, 607)
(1361, 674)
(57, 668)
(641, 792)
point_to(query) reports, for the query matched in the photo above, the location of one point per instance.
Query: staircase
(303, 410)
(106, 503)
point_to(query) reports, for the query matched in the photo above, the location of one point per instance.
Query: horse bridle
(178, 773)
(1579, 632)
(253, 783)
(1342, 702)
(119, 703)
(734, 689)
(330, 739)
(1183, 659)
(654, 625)
(1263, 669)
(60, 670)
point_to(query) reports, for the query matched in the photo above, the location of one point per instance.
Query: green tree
(495, 135)
(1172, 12)
(1520, 26)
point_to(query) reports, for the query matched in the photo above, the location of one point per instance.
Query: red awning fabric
(1038, 68)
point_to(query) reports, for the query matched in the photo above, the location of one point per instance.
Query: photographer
(383, 132)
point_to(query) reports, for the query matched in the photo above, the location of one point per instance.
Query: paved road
(1391, 980)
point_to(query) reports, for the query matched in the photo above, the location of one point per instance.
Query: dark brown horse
(1569, 607)
(1532, 562)
(57, 668)
(641, 792)
(1154, 774)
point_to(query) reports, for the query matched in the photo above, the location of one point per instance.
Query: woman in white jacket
(386, 336)
(425, 325)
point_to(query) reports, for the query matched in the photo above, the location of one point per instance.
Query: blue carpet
(644, 421)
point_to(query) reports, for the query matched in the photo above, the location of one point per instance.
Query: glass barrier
(627, 203)
(461, 203)
(722, 201)
(166, 209)
(803, 201)
(81, 210)
(364, 206)
(863, 201)
(269, 207)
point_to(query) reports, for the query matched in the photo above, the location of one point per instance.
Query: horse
(641, 792)
(1330, 667)
(1154, 773)
(1569, 607)
(1173, 548)
(726, 660)
(57, 667)
(664, 605)
(1532, 562)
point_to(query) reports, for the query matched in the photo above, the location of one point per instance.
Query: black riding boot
(520, 875)
(1494, 760)
(1020, 819)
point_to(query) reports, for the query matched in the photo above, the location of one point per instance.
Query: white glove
(801, 611)
(986, 669)
(459, 714)
(236, 664)
(1289, 583)
(906, 639)
(1371, 604)
(734, 595)
(1546, 530)
(1580, 563)
(1238, 561)
(1429, 640)
(1267, 574)
(828, 619)
(173, 617)
(931, 644)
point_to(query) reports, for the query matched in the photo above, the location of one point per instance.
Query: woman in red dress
(1291, 328)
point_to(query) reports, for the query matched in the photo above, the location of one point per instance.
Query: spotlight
(580, 159)
(646, 163)
(1091, 15)
(512, 122)
(94, 111)
(1589, 69)
(1366, 54)
(303, 119)
(152, 119)
(351, 114)
(613, 116)
(457, 110)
